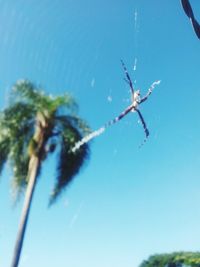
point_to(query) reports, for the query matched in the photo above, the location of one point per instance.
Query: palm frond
(64, 101)
(69, 163)
(16, 116)
(16, 130)
(75, 121)
(14, 123)
(4, 151)
(19, 157)
(20, 169)
(25, 91)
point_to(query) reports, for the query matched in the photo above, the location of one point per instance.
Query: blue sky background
(127, 203)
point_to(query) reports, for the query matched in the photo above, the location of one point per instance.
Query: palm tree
(33, 126)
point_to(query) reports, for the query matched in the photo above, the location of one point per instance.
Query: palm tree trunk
(34, 165)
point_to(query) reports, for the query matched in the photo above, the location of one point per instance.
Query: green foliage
(30, 115)
(25, 92)
(15, 132)
(69, 162)
(4, 144)
(176, 259)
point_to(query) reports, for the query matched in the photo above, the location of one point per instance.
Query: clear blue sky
(128, 202)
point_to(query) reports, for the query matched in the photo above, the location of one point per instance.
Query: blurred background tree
(33, 126)
(176, 259)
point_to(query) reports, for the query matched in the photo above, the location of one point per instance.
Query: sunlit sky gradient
(127, 203)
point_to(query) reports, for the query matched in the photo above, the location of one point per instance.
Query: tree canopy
(176, 259)
(28, 107)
